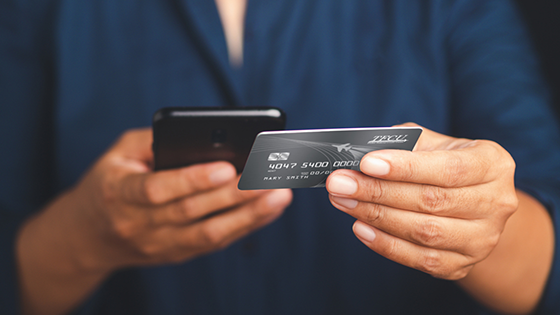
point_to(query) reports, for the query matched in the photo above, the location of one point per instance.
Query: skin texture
(123, 214)
(444, 209)
(232, 15)
(449, 209)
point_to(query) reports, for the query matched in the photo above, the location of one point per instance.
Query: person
(457, 226)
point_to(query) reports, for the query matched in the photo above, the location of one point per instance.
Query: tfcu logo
(389, 139)
(280, 156)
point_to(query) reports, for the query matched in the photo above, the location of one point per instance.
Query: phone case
(190, 135)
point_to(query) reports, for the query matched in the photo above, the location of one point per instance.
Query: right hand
(132, 216)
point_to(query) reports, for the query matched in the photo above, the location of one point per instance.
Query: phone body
(190, 135)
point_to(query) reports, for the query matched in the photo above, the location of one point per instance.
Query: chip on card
(305, 158)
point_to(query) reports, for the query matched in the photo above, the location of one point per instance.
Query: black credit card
(305, 158)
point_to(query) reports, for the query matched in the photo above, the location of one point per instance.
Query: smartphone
(190, 135)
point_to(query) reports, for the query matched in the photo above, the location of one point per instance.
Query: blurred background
(543, 21)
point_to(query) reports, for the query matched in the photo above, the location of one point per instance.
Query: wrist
(513, 277)
(88, 244)
(63, 239)
(54, 275)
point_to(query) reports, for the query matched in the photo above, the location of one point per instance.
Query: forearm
(122, 214)
(512, 278)
(50, 252)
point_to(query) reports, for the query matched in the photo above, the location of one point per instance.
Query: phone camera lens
(219, 136)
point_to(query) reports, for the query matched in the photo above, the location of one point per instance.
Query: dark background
(543, 21)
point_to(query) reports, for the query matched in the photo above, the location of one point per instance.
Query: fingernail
(342, 185)
(364, 232)
(222, 174)
(345, 202)
(374, 166)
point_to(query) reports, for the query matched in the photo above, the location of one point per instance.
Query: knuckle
(430, 233)
(458, 274)
(191, 179)
(124, 229)
(492, 242)
(375, 213)
(376, 189)
(492, 145)
(393, 249)
(230, 198)
(504, 161)
(184, 210)
(509, 203)
(148, 249)
(431, 263)
(454, 170)
(434, 199)
(212, 237)
(407, 172)
(108, 192)
(508, 163)
(479, 249)
(257, 212)
(235, 196)
(152, 190)
(505, 205)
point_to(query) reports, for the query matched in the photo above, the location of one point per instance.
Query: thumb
(430, 140)
(135, 144)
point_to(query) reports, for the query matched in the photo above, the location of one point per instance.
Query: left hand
(439, 209)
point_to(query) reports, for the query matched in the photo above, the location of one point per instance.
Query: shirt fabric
(76, 74)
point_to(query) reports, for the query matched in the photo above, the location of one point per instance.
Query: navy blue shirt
(76, 74)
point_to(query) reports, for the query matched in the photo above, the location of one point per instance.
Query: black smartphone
(189, 135)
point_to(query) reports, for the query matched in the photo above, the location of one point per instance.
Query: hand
(439, 209)
(134, 216)
(123, 214)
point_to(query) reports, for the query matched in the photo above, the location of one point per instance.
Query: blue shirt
(75, 74)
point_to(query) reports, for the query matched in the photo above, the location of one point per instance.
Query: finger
(438, 263)
(195, 207)
(135, 144)
(423, 198)
(430, 140)
(463, 236)
(221, 230)
(478, 162)
(156, 188)
(131, 153)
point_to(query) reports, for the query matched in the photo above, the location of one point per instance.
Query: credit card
(305, 158)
